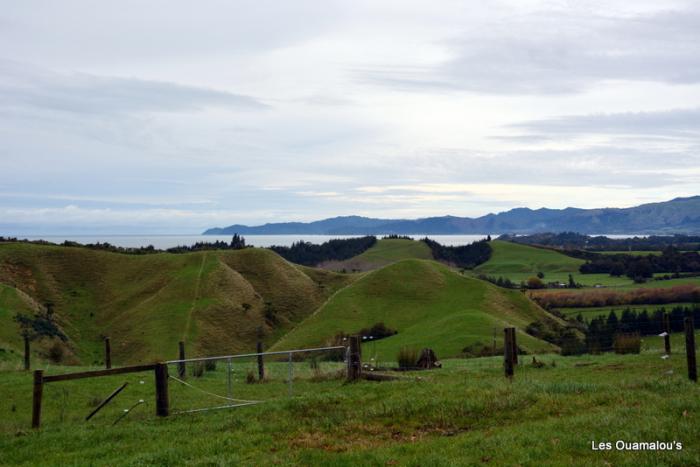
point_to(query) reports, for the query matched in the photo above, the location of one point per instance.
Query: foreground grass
(464, 414)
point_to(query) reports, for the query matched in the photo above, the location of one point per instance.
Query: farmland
(463, 414)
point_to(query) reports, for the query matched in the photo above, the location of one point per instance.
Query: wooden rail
(161, 377)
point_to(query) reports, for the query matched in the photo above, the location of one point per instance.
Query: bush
(210, 365)
(407, 358)
(56, 352)
(250, 377)
(479, 349)
(378, 331)
(627, 343)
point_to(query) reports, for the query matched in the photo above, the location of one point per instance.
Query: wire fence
(222, 382)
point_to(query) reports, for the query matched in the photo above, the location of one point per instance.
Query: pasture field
(519, 262)
(592, 312)
(427, 303)
(382, 253)
(464, 414)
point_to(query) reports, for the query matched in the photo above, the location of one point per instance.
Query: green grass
(519, 262)
(391, 250)
(214, 301)
(429, 305)
(508, 258)
(592, 312)
(464, 414)
(633, 253)
(385, 251)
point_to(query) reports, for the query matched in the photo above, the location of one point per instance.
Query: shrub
(210, 365)
(250, 377)
(378, 331)
(627, 343)
(407, 358)
(478, 349)
(56, 352)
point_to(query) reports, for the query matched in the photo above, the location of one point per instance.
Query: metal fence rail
(238, 369)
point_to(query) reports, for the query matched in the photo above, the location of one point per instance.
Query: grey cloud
(558, 52)
(24, 86)
(675, 122)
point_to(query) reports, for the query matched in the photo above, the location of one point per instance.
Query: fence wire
(210, 383)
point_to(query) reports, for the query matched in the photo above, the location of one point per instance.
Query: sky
(176, 116)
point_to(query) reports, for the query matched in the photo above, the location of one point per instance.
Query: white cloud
(175, 116)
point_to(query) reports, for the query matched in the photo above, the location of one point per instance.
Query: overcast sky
(174, 116)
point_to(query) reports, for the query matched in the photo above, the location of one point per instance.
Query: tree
(535, 283)
(42, 324)
(572, 283)
(237, 242)
(540, 274)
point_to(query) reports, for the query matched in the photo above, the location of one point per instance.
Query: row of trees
(600, 333)
(311, 254)
(237, 242)
(576, 241)
(643, 267)
(534, 282)
(464, 256)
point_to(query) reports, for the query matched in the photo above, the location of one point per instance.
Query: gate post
(354, 358)
(36, 399)
(162, 402)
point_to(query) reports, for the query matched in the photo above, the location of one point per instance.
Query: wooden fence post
(667, 337)
(181, 369)
(508, 351)
(36, 399)
(354, 358)
(515, 346)
(162, 402)
(261, 363)
(690, 348)
(108, 354)
(27, 357)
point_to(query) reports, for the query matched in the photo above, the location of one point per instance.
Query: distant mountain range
(680, 215)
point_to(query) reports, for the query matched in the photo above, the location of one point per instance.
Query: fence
(221, 382)
(191, 385)
(618, 345)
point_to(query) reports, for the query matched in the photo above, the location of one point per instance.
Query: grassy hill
(428, 304)
(214, 301)
(518, 262)
(385, 251)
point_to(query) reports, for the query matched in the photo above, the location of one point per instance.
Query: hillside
(385, 251)
(428, 304)
(215, 300)
(679, 215)
(521, 261)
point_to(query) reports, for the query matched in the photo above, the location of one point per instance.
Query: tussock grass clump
(407, 358)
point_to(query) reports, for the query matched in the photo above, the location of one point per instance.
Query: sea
(163, 242)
